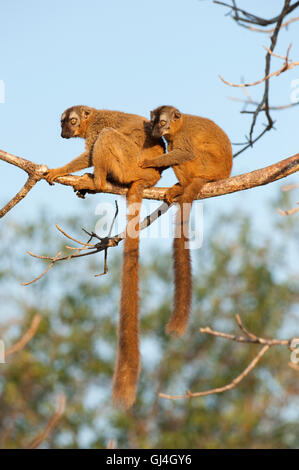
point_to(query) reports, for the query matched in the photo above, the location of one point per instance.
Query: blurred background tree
(240, 270)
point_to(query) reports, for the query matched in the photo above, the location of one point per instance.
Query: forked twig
(250, 21)
(286, 66)
(225, 388)
(88, 248)
(290, 211)
(248, 338)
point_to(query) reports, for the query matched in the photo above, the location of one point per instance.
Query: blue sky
(132, 56)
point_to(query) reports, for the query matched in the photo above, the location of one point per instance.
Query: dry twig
(287, 65)
(269, 31)
(290, 211)
(88, 249)
(44, 434)
(26, 337)
(247, 338)
(250, 21)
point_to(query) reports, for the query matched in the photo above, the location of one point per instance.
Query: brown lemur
(115, 142)
(199, 151)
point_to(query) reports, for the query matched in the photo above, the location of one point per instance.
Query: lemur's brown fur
(115, 143)
(199, 151)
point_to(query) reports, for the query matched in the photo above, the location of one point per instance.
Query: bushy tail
(182, 273)
(128, 356)
(182, 261)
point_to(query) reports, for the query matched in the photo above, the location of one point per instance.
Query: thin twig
(248, 338)
(56, 258)
(269, 31)
(30, 183)
(26, 337)
(286, 66)
(107, 238)
(255, 103)
(289, 187)
(44, 434)
(289, 212)
(254, 19)
(103, 245)
(249, 20)
(225, 388)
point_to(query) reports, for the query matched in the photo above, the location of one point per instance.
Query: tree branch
(44, 434)
(287, 65)
(35, 173)
(236, 183)
(248, 338)
(87, 248)
(225, 388)
(245, 19)
(26, 337)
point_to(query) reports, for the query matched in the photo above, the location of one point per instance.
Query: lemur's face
(72, 120)
(163, 119)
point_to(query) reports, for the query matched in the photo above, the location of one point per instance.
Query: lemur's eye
(73, 121)
(162, 123)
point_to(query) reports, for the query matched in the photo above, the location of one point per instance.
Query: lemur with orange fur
(115, 142)
(199, 151)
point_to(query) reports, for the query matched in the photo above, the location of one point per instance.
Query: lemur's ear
(177, 114)
(153, 115)
(86, 112)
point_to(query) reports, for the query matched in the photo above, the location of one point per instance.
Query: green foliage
(236, 271)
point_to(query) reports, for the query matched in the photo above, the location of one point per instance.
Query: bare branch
(225, 388)
(290, 187)
(290, 211)
(19, 196)
(219, 188)
(103, 245)
(237, 183)
(26, 337)
(53, 260)
(269, 31)
(35, 173)
(248, 338)
(286, 66)
(248, 20)
(255, 103)
(244, 16)
(44, 434)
